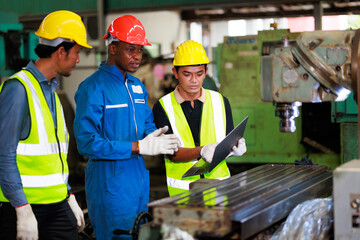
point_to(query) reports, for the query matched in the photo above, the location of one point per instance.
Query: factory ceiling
(270, 9)
(211, 10)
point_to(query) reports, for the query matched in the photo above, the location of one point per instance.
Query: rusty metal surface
(327, 56)
(245, 203)
(355, 53)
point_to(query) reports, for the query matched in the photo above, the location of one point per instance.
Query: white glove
(77, 212)
(158, 142)
(238, 150)
(207, 152)
(26, 224)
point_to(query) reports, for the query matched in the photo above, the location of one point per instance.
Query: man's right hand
(26, 223)
(158, 142)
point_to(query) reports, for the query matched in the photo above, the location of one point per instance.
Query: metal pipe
(318, 13)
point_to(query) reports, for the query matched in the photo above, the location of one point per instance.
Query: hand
(77, 212)
(158, 142)
(26, 223)
(238, 150)
(207, 152)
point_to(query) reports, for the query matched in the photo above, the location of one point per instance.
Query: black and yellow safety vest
(213, 129)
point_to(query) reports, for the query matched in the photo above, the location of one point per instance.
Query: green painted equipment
(346, 114)
(16, 48)
(240, 81)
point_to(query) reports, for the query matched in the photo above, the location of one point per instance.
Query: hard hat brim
(85, 45)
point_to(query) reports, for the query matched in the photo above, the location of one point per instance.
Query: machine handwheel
(143, 217)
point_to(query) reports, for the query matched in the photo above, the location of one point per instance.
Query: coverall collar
(179, 99)
(113, 70)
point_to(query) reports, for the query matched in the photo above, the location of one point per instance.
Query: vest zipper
(58, 144)
(57, 139)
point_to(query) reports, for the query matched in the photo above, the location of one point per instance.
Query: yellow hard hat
(63, 24)
(190, 53)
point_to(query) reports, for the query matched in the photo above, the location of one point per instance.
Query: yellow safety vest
(42, 157)
(213, 129)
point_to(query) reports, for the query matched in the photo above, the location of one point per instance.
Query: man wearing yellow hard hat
(36, 200)
(200, 118)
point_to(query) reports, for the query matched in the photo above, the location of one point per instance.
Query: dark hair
(177, 67)
(44, 51)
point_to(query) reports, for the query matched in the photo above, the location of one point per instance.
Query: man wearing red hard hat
(114, 128)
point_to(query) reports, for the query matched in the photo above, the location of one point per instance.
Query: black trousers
(55, 221)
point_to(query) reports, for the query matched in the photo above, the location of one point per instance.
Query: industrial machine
(317, 67)
(321, 66)
(241, 71)
(314, 68)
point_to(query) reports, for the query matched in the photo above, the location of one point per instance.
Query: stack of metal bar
(246, 203)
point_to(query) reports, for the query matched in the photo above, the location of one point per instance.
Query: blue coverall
(111, 113)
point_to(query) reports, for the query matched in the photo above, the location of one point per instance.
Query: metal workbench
(244, 204)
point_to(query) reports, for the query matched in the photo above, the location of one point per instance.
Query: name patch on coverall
(139, 101)
(137, 89)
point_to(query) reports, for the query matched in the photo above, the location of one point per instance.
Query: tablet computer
(222, 150)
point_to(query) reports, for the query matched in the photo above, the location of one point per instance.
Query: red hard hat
(128, 29)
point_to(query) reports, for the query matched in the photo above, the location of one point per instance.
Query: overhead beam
(220, 10)
(228, 14)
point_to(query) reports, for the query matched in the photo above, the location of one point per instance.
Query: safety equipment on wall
(207, 152)
(26, 223)
(190, 53)
(128, 29)
(79, 215)
(62, 24)
(158, 142)
(238, 150)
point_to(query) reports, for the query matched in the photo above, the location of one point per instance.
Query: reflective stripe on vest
(213, 129)
(183, 184)
(44, 181)
(42, 156)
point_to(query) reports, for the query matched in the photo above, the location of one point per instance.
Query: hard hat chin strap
(111, 39)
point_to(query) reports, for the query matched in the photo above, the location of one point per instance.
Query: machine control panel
(355, 212)
(346, 196)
